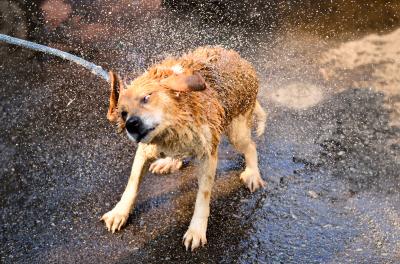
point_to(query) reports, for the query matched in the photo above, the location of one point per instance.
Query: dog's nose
(133, 124)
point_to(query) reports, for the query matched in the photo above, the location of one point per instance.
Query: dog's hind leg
(165, 165)
(118, 216)
(196, 233)
(239, 134)
(260, 118)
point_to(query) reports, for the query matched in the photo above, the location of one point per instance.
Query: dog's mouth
(143, 136)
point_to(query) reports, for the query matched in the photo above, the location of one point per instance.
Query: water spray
(93, 68)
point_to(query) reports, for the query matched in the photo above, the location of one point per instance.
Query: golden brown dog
(181, 107)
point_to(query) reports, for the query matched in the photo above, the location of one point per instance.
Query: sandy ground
(372, 62)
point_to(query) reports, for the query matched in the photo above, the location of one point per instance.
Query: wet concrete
(330, 156)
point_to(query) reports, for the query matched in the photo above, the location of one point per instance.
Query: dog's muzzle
(136, 128)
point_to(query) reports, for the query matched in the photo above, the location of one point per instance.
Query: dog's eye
(124, 114)
(146, 99)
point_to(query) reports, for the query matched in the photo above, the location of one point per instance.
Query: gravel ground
(330, 153)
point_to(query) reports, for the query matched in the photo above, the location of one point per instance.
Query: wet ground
(330, 153)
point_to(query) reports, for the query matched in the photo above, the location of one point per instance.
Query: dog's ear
(185, 83)
(116, 85)
(195, 82)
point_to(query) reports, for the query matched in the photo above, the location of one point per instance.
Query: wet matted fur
(181, 107)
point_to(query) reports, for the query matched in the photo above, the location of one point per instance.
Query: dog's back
(233, 78)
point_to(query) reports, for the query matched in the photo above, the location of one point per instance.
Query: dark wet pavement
(332, 165)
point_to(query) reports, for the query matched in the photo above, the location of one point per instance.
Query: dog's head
(146, 107)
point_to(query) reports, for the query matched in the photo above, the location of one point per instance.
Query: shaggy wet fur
(194, 99)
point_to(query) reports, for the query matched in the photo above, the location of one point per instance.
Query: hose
(93, 68)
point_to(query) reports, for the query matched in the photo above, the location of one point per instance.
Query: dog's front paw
(252, 179)
(115, 219)
(193, 238)
(165, 165)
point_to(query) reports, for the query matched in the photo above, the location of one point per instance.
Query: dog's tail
(260, 118)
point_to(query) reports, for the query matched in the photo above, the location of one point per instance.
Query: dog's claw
(120, 225)
(186, 242)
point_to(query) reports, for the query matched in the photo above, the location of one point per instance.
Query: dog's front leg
(118, 216)
(196, 233)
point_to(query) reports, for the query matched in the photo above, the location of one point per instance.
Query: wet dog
(181, 108)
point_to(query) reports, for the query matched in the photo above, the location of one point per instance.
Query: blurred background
(329, 79)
